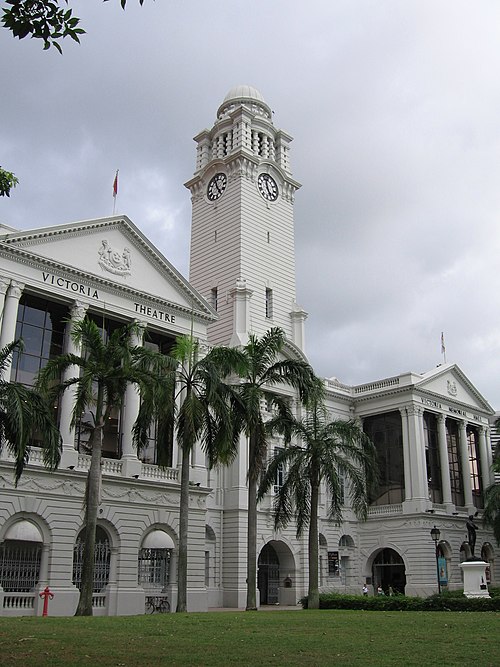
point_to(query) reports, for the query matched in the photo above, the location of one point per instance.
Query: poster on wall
(443, 571)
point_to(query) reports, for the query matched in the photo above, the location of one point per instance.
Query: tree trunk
(91, 507)
(183, 534)
(313, 589)
(252, 534)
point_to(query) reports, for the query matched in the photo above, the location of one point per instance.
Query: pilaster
(241, 313)
(298, 317)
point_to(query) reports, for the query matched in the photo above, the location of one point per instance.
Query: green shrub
(447, 601)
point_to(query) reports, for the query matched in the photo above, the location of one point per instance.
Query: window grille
(19, 565)
(154, 566)
(269, 303)
(207, 568)
(214, 298)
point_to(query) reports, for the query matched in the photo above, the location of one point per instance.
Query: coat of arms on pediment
(114, 261)
(451, 387)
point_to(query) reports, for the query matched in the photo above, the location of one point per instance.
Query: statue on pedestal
(471, 532)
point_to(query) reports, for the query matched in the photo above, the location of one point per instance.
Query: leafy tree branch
(48, 21)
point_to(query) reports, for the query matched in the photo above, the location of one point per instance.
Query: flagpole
(115, 190)
(443, 348)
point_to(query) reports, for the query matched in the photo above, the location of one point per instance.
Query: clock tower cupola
(242, 256)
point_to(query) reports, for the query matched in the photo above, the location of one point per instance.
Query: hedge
(445, 602)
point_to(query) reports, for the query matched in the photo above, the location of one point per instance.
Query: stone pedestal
(475, 578)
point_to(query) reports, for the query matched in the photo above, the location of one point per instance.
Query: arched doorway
(388, 569)
(268, 579)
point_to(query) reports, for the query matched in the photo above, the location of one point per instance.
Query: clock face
(216, 186)
(267, 187)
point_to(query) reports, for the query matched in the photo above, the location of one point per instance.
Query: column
(130, 409)
(464, 461)
(67, 402)
(10, 308)
(418, 468)
(444, 463)
(486, 476)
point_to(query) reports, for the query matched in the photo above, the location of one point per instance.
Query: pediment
(113, 250)
(449, 383)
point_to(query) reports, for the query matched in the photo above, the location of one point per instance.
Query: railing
(336, 385)
(154, 472)
(385, 509)
(109, 466)
(382, 384)
(99, 601)
(19, 602)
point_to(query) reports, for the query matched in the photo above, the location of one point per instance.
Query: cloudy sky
(394, 106)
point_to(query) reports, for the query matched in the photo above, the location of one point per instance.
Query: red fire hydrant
(47, 595)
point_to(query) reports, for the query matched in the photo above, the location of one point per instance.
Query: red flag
(115, 185)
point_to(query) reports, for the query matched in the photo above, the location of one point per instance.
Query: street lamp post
(435, 534)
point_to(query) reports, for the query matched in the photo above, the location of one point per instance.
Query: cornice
(241, 164)
(85, 228)
(30, 259)
(449, 400)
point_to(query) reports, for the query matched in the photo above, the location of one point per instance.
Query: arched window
(346, 541)
(102, 558)
(20, 556)
(154, 560)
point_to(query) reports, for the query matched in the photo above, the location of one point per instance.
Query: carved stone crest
(113, 260)
(452, 387)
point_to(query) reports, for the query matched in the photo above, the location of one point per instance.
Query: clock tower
(242, 238)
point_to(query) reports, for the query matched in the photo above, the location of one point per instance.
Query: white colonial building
(431, 430)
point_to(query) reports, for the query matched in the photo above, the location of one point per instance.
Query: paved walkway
(272, 607)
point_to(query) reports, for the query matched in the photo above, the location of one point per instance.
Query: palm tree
(491, 514)
(197, 400)
(329, 451)
(24, 412)
(260, 369)
(105, 369)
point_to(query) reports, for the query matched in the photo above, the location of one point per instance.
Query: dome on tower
(247, 96)
(244, 93)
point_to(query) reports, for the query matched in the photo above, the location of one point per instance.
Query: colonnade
(10, 294)
(415, 465)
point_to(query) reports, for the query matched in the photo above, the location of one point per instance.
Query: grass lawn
(290, 638)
